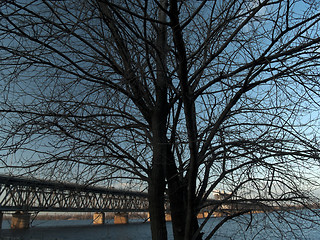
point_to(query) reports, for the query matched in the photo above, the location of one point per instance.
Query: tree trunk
(177, 197)
(156, 208)
(177, 192)
(188, 98)
(157, 184)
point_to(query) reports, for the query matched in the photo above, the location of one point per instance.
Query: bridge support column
(20, 220)
(121, 218)
(200, 215)
(98, 218)
(168, 217)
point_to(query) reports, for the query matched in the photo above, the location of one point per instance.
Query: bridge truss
(35, 195)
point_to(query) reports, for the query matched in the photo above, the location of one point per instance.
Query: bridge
(24, 195)
(36, 195)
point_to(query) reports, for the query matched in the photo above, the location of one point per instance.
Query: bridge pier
(200, 215)
(168, 217)
(121, 218)
(98, 218)
(20, 220)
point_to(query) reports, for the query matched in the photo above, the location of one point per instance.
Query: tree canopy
(179, 97)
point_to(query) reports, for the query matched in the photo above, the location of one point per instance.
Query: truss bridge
(25, 194)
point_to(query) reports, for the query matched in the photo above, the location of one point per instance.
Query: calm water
(262, 227)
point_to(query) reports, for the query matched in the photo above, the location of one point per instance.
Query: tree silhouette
(184, 97)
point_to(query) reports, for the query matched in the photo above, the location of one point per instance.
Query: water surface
(258, 227)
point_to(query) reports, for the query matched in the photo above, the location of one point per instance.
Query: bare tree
(184, 97)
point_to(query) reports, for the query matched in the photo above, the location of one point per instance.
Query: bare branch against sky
(179, 97)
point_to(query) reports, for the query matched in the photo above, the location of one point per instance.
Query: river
(261, 227)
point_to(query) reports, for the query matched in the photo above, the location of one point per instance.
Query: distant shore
(73, 216)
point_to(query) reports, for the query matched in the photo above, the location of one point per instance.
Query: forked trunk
(177, 193)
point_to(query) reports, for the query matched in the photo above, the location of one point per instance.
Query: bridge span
(24, 195)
